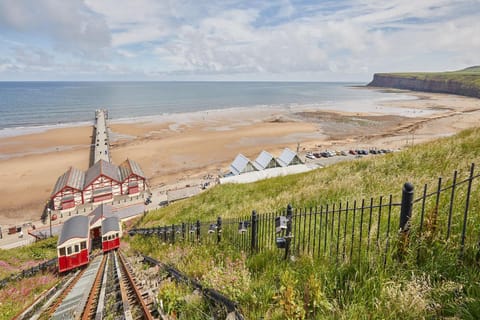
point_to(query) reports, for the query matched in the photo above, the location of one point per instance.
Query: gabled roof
(129, 167)
(265, 160)
(288, 158)
(73, 178)
(100, 212)
(241, 164)
(102, 167)
(110, 224)
(75, 227)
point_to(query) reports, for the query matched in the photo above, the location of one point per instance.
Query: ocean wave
(24, 130)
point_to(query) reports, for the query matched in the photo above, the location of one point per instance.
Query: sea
(29, 107)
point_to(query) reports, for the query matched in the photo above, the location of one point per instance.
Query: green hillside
(265, 285)
(462, 82)
(470, 76)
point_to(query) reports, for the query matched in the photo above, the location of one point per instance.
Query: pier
(101, 151)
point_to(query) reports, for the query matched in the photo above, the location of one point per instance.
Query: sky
(228, 40)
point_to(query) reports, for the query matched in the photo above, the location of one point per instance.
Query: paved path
(101, 137)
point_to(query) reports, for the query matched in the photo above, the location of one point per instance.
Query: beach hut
(265, 161)
(288, 158)
(68, 190)
(132, 177)
(241, 164)
(102, 182)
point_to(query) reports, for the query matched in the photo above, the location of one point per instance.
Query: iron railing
(373, 230)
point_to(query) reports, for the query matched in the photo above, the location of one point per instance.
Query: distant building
(241, 164)
(68, 191)
(265, 161)
(289, 158)
(101, 182)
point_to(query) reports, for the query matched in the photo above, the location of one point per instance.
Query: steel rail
(94, 292)
(137, 294)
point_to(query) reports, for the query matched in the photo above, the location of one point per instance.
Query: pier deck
(101, 151)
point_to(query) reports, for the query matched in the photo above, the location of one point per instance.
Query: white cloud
(68, 24)
(231, 38)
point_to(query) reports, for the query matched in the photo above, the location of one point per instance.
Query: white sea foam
(20, 131)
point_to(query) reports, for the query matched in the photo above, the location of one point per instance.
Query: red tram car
(73, 245)
(110, 234)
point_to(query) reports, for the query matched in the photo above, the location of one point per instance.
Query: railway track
(105, 289)
(116, 293)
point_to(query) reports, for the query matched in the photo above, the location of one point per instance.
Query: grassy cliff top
(469, 76)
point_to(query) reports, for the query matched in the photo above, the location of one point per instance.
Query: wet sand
(175, 149)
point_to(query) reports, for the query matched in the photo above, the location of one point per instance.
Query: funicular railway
(99, 280)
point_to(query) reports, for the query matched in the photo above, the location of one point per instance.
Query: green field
(437, 285)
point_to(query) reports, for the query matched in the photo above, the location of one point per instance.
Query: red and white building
(132, 176)
(101, 182)
(68, 191)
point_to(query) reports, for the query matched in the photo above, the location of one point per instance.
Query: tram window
(61, 252)
(77, 248)
(69, 250)
(83, 245)
(105, 238)
(116, 235)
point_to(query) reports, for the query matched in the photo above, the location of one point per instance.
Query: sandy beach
(175, 149)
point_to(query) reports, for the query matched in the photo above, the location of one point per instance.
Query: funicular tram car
(73, 245)
(110, 234)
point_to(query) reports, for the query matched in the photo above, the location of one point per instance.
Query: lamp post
(50, 218)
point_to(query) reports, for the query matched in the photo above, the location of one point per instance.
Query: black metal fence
(375, 230)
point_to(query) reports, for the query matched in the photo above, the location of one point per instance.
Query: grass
(14, 260)
(436, 286)
(468, 78)
(17, 295)
(362, 178)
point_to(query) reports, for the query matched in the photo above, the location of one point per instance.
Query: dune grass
(437, 285)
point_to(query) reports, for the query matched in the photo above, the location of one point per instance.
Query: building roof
(265, 160)
(241, 164)
(129, 167)
(73, 178)
(110, 224)
(288, 158)
(102, 167)
(75, 227)
(100, 212)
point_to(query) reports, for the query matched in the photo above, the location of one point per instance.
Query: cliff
(464, 82)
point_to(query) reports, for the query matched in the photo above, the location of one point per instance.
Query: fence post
(198, 230)
(405, 216)
(254, 231)
(219, 229)
(183, 231)
(288, 237)
(173, 233)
